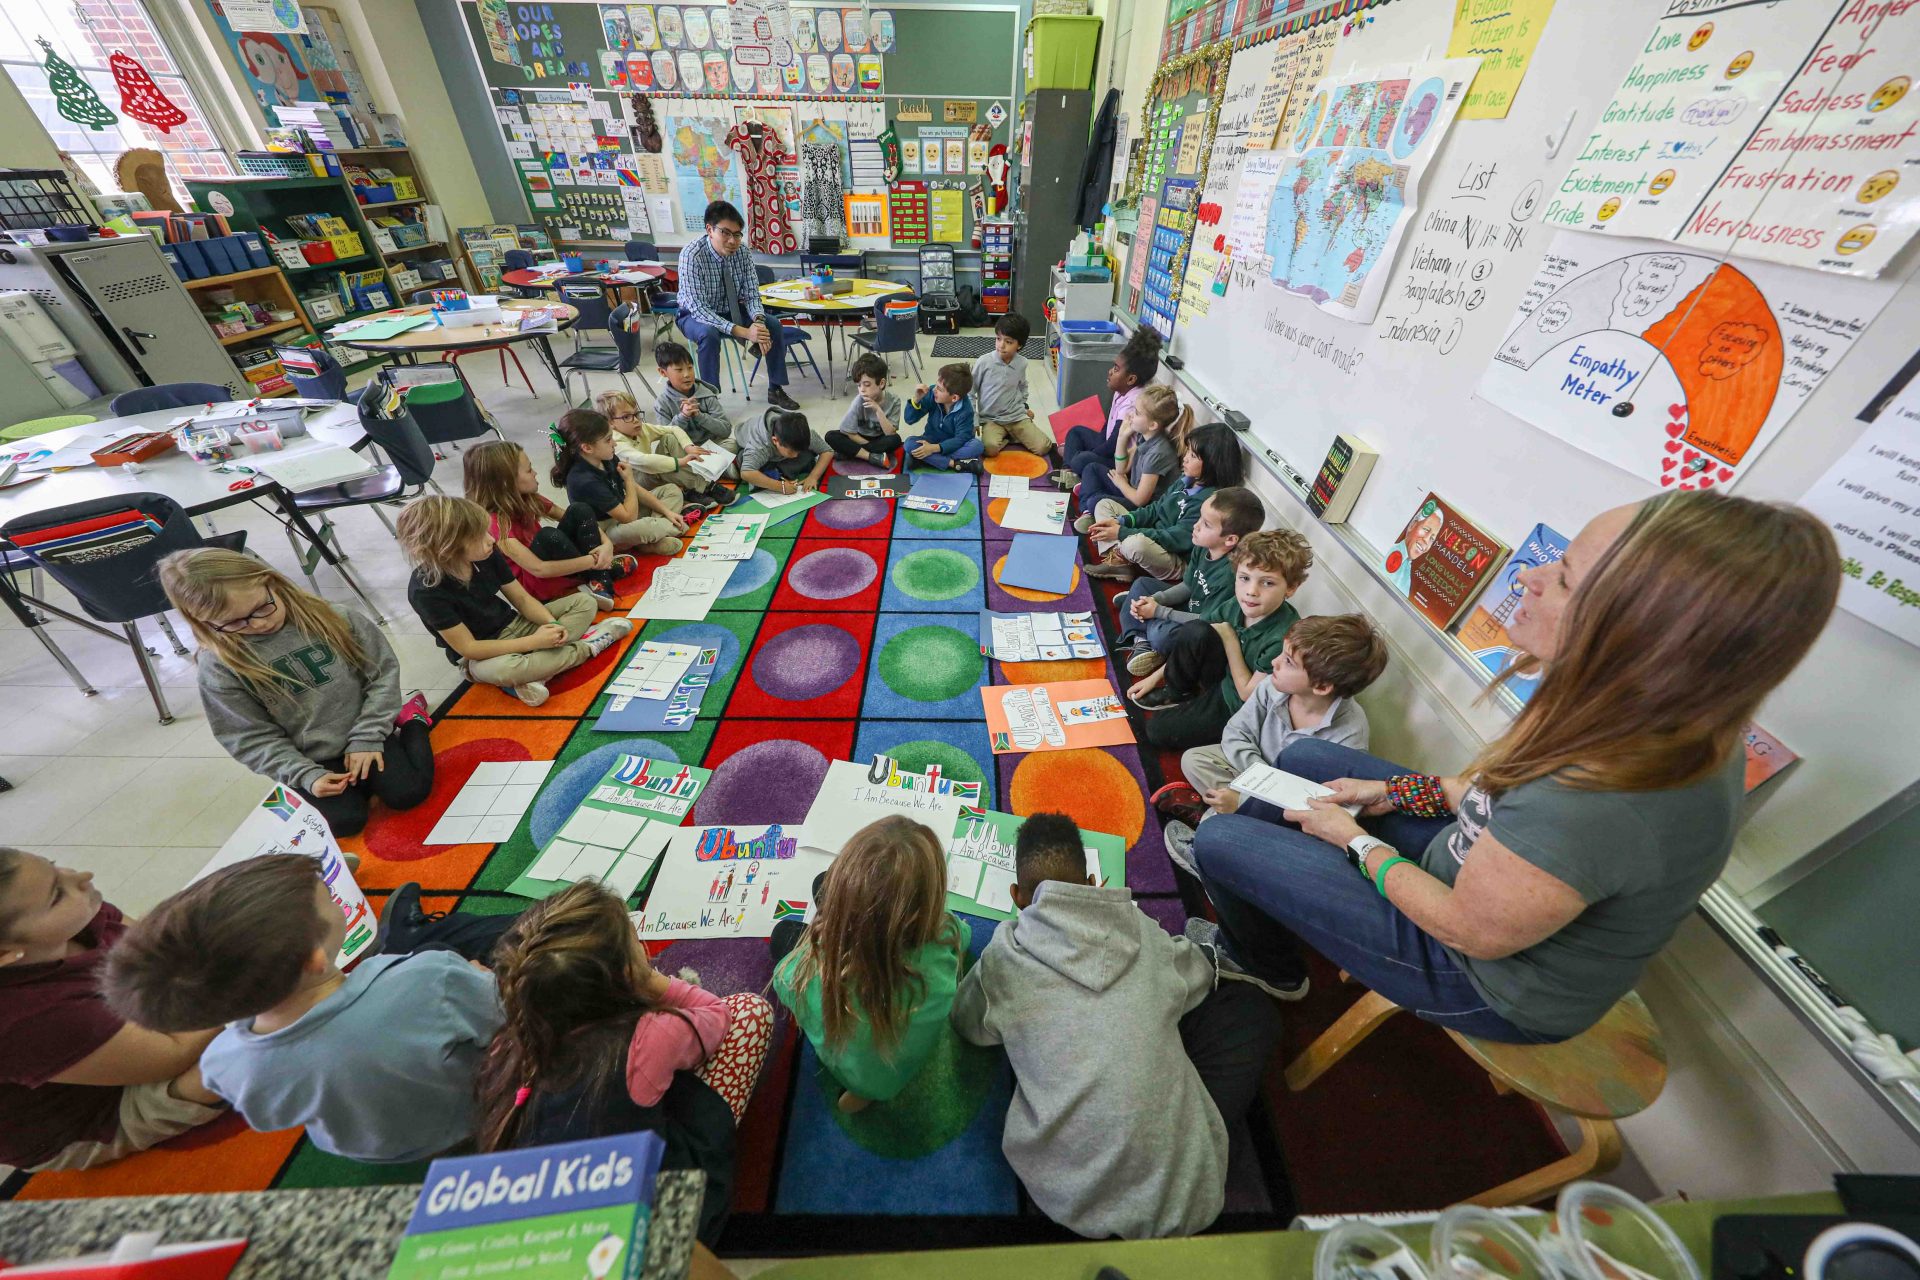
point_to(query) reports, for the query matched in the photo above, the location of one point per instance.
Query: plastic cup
(1363, 1251)
(1471, 1243)
(1601, 1233)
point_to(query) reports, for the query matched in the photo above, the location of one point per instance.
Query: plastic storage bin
(1060, 51)
(1087, 349)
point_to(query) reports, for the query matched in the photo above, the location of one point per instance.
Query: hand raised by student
(550, 636)
(1369, 794)
(1326, 820)
(920, 392)
(1222, 799)
(332, 784)
(359, 765)
(1146, 608)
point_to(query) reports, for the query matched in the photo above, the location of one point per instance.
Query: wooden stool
(1613, 1069)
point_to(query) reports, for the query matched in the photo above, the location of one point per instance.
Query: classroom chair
(30, 609)
(122, 589)
(622, 358)
(799, 355)
(447, 413)
(895, 329)
(641, 251)
(40, 426)
(169, 395)
(1615, 1068)
(327, 382)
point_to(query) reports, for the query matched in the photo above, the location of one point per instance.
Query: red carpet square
(838, 576)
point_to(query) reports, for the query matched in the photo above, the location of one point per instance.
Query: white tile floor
(100, 784)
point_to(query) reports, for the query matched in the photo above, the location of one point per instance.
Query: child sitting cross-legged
(783, 453)
(1000, 390)
(596, 1041)
(378, 1064)
(1156, 538)
(1152, 611)
(1129, 1060)
(871, 979)
(1212, 668)
(79, 1085)
(632, 516)
(686, 402)
(571, 554)
(301, 691)
(1127, 377)
(1326, 662)
(947, 441)
(658, 453)
(465, 592)
(871, 429)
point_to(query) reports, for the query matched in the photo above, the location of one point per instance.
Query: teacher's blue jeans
(1274, 887)
(706, 339)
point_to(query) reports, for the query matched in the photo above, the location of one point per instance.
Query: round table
(634, 273)
(790, 296)
(433, 338)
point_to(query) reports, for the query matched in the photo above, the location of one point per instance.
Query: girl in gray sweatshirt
(300, 691)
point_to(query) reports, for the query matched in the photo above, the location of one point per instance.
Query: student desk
(434, 339)
(789, 297)
(196, 486)
(638, 274)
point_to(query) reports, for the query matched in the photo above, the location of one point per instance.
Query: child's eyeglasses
(241, 624)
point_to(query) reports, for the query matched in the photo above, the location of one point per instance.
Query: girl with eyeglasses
(301, 691)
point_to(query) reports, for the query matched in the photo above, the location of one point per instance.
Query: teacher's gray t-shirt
(1640, 859)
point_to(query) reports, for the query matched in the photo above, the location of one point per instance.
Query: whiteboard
(1406, 383)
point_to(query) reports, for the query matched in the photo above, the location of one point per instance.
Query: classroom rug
(854, 630)
(971, 346)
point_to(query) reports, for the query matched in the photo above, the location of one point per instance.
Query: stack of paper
(1278, 787)
(712, 465)
(313, 468)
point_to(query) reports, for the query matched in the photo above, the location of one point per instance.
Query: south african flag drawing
(787, 909)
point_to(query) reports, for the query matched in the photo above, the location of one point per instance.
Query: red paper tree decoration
(140, 97)
(73, 97)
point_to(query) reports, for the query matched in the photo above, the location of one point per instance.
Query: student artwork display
(684, 671)
(1869, 498)
(1035, 511)
(853, 796)
(683, 590)
(730, 882)
(1350, 184)
(1039, 637)
(980, 862)
(1061, 716)
(284, 823)
(1669, 363)
(1441, 561)
(1484, 632)
(488, 808)
(1767, 94)
(726, 537)
(616, 834)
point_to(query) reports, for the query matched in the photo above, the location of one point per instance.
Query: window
(84, 33)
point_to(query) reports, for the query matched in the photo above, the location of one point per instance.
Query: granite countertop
(339, 1233)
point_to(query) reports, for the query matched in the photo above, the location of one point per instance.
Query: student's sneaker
(398, 919)
(1178, 837)
(1205, 934)
(533, 693)
(1114, 567)
(972, 466)
(624, 564)
(601, 597)
(877, 458)
(414, 708)
(1144, 662)
(1064, 480)
(1084, 523)
(1159, 699)
(602, 636)
(1178, 802)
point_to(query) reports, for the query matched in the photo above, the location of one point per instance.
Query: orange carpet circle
(1087, 785)
(1022, 593)
(1015, 462)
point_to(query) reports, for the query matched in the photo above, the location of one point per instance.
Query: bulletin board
(1182, 113)
(565, 79)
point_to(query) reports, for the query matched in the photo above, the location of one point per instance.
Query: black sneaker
(779, 399)
(1205, 934)
(1161, 698)
(970, 465)
(397, 923)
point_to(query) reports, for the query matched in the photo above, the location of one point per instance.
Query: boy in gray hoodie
(1126, 1055)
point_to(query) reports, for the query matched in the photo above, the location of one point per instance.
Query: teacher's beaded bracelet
(1419, 794)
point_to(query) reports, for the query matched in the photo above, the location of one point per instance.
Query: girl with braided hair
(596, 1041)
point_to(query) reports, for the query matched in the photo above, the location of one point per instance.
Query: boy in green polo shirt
(1212, 668)
(1151, 612)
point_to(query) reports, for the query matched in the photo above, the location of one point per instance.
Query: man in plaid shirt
(720, 299)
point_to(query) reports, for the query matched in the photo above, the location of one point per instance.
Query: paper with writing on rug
(1035, 511)
(1039, 637)
(616, 834)
(999, 486)
(853, 796)
(684, 589)
(726, 537)
(980, 862)
(675, 713)
(488, 807)
(1061, 716)
(730, 882)
(284, 823)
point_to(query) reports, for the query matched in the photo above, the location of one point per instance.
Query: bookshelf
(413, 250)
(258, 292)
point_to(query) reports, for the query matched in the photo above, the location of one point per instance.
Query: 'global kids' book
(574, 1211)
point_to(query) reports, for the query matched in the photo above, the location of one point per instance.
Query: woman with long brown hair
(1521, 900)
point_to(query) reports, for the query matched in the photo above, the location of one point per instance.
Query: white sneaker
(600, 598)
(533, 693)
(602, 636)
(1178, 838)
(1206, 934)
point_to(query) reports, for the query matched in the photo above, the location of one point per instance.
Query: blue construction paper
(674, 713)
(1041, 562)
(943, 486)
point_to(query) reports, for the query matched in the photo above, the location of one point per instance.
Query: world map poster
(1350, 182)
(1671, 363)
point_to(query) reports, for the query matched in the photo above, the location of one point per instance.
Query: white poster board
(284, 823)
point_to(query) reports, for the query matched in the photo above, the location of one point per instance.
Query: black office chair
(169, 395)
(642, 251)
(124, 587)
(622, 358)
(519, 260)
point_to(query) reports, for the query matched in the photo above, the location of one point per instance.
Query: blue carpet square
(919, 656)
(959, 748)
(932, 577)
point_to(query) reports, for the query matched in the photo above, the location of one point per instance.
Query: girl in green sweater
(872, 978)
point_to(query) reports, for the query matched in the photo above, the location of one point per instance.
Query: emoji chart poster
(1054, 717)
(1780, 132)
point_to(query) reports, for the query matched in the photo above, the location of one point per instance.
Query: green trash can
(1060, 51)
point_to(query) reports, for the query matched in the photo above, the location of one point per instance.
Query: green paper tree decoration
(72, 95)
(140, 97)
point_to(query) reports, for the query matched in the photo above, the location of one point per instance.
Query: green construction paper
(1112, 851)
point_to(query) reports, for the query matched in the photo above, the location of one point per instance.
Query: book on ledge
(1442, 560)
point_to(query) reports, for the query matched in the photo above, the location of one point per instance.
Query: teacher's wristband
(1380, 875)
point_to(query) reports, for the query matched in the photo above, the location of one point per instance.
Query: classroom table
(639, 274)
(196, 486)
(789, 296)
(444, 337)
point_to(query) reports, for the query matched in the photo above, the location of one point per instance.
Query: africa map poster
(1351, 181)
(1669, 363)
(704, 166)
